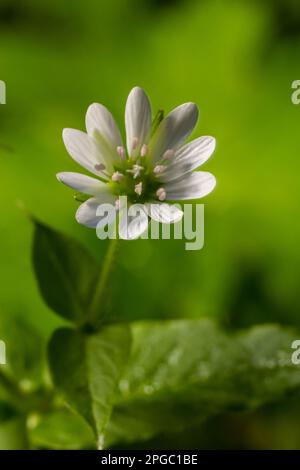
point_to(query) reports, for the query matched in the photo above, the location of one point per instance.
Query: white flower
(156, 168)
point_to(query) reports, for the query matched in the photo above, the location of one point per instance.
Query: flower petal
(174, 129)
(164, 213)
(189, 157)
(84, 184)
(87, 212)
(193, 186)
(133, 223)
(99, 119)
(137, 120)
(102, 127)
(83, 150)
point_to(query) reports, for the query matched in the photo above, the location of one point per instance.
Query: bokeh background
(236, 60)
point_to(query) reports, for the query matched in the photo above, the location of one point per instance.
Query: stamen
(99, 167)
(138, 188)
(168, 154)
(158, 169)
(161, 194)
(135, 142)
(117, 176)
(121, 152)
(144, 150)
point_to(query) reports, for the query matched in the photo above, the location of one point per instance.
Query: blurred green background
(236, 60)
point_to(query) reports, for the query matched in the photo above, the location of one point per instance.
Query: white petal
(165, 213)
(137, 119)
(189, 157)
(133, 223)
(174, 129)
(193, 186)
(84, 184)
(101, 128)
(87, 212)
(99, 119)
(83, 150)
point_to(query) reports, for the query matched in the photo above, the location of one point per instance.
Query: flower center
(136, 178)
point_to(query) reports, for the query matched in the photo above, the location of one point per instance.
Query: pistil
(135, 171)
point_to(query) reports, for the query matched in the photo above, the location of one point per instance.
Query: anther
(161, 194)
(158, 169)
(168, 154)
(144, 150)
(99, 167)
(135, 142)
(121, 152)
(138, 188)
(117, 176)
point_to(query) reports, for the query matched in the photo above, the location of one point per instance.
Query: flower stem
(97, 299)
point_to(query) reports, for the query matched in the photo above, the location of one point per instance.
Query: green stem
(100, 288)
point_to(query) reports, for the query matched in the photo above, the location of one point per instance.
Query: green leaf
(182, 372)
(178, 373)
(25, 352)
(68, 365)
(61, 430)
(13, 434)
(7, 412)
(271, 372)
(87, 370)
(81, 197)
(65, 271)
